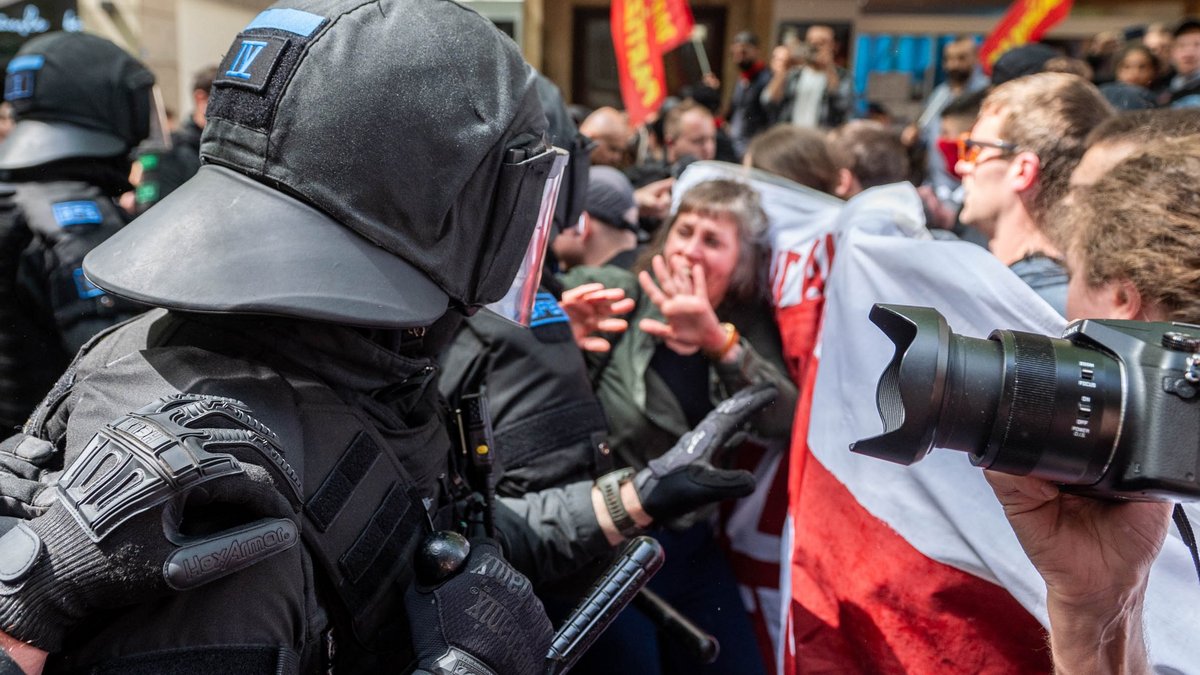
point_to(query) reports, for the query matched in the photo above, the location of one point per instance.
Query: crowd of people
(243, 414)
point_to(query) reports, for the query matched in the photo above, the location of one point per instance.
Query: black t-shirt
(687, 378)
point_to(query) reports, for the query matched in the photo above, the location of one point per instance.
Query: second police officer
(81, 104)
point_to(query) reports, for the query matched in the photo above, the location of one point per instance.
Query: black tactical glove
(160, 500)
(24, 476)
(684, 479)
(484, 620)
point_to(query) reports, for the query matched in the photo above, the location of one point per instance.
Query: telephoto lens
(1110, 408)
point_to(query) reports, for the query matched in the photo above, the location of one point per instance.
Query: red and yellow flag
(642, 31)
(1026, 21)
(673, 23)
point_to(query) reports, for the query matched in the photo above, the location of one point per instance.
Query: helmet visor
(517, 303)
(159, 135)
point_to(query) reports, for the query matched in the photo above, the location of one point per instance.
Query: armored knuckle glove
(684, 479)
(146, 509)
(485, 620)
(24, 476)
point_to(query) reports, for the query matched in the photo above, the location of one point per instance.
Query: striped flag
(1024, 22)
(887, 568)
(915, 569)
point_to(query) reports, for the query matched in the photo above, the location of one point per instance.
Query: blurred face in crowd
(744, 54)
(1185, 52)
(711, 243)
(697, 137)
(987, 194)
(568, 245)
(958, 60)
(1159, 42)
(7, 121)
(820, 41)
(609, 129)
(609, 150)
(1136, 68)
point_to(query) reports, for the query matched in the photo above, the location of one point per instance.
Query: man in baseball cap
(607, 232)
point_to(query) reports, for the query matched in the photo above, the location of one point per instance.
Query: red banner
(1026, 21)
(642, 31)
(639, 60)
(673, 23)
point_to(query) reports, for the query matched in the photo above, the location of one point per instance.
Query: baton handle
(627, 575)
(700, 644)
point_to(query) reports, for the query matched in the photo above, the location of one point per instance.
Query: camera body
(1111, 409)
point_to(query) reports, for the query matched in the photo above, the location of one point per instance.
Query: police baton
(627, 575)
(700, 644)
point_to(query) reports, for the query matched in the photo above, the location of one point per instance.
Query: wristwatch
(610, 489)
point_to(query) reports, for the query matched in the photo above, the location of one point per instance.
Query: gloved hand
(24, 476)
(145, 510)
(483, 620)
(684, 479)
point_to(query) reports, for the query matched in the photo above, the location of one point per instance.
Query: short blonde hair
(1050, 115)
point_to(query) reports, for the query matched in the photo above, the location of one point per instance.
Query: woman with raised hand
(702, 330)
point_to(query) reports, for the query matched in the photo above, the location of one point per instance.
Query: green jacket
(644, 418)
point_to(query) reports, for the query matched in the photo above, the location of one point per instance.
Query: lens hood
(911, 389)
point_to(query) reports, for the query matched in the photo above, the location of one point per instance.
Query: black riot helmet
(370, 163)
(74, 95)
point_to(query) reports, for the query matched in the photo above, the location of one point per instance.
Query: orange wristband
(731, 338)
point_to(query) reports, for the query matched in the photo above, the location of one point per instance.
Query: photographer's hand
(1095, 557)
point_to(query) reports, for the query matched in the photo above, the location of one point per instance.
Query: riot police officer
(285, 389)
(82, 104)
(348, 201)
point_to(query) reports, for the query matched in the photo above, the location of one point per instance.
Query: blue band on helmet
(26, 62)
(290, 20)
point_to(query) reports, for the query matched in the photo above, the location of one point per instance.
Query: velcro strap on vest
(224, 659)
(536, 434)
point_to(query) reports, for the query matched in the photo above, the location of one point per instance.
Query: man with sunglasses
(1016, 164)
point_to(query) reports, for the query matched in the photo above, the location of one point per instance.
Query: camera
(1112, 409)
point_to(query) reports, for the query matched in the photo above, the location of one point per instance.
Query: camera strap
(1186, 533)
